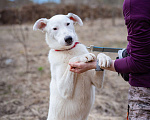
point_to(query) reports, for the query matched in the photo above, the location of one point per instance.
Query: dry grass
(25, 96)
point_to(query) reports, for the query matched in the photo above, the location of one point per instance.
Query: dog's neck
(69, 48)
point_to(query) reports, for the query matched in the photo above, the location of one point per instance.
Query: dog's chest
(59, 58)
(62, 57)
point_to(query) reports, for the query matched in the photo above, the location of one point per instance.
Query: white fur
(104, 60)
(71, 94)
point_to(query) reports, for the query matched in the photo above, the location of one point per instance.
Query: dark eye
(54, 28)
(68, 24)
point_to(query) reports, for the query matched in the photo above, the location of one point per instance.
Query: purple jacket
(137, 19)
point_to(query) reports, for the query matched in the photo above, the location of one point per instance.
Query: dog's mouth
(68, 40)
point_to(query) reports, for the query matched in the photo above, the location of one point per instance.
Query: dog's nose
(68, 40)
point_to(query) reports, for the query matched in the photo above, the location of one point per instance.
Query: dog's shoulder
(81, 49)
(53, 56)
(59, 56)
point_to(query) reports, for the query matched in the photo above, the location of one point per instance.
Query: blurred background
(24, 67)
(27, 11)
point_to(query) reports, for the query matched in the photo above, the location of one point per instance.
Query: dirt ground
(25, 95)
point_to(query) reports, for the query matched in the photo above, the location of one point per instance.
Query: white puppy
(71, 94)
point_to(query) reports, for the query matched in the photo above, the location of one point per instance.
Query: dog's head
(60, 32)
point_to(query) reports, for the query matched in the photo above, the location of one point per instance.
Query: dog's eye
(54, 28)
(68, 24)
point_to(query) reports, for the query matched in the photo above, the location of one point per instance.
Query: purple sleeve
(128, 65)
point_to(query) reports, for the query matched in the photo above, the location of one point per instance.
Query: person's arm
(80, 67)
(129, 65)
(124, 65)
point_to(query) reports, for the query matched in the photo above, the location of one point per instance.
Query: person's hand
(80, 67)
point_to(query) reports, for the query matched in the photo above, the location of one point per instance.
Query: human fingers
(75, 70)
(74, 65)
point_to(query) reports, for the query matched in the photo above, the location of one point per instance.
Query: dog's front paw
(83, 58)
(87, 57)
(104, 60)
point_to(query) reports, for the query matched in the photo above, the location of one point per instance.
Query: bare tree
(21, 35)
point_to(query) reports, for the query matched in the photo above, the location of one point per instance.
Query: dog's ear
(75, 18)
(40, 24)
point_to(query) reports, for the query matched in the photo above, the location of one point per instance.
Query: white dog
(71, 94)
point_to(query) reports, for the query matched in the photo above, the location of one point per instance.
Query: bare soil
(25, 95)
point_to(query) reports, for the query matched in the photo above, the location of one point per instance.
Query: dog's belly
(75, 108)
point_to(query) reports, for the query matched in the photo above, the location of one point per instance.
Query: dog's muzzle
(68, 40)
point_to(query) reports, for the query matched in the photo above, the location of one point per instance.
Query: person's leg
(139, 103)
